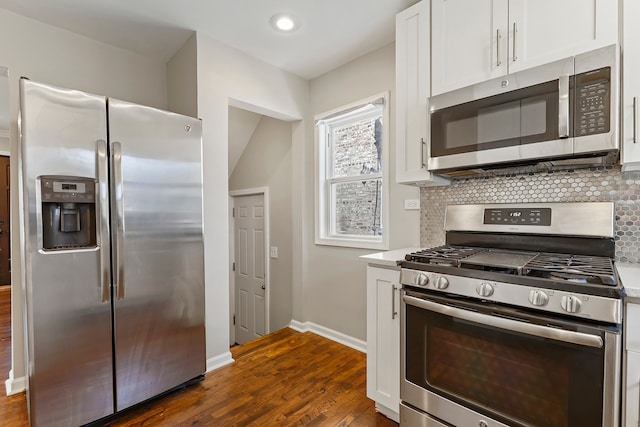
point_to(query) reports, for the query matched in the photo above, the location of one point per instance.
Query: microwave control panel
(593, 105)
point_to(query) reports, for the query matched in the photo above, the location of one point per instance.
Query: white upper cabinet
(474, 41)
(547, 30)
(469, 42)
(630, 141)
(412, 91)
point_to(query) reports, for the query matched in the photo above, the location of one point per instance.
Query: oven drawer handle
(508, 324)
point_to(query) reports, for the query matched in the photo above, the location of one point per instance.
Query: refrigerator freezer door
(156, 179)
(68, 310)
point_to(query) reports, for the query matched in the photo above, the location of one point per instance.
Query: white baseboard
(15, 385)
(219, 361)
(18, 385)
(336, 336)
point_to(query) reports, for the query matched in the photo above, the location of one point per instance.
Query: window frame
(324, 183)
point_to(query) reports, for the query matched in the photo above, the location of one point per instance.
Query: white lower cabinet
(631, 390)
(383, 339)
(631, 416)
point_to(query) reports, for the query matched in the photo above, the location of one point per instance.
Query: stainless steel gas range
(515, 321)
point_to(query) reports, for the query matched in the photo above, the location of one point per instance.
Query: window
(351, 189)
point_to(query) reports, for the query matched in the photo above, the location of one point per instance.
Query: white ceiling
(333, 32)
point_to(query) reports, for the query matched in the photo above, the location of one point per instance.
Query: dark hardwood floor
(286, 378)
(13, 409)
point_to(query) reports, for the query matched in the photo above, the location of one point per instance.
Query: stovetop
(552, 267)
(579, 286)
(552, 257)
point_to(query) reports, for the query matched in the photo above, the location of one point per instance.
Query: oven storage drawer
(513, 367)
(412, 418)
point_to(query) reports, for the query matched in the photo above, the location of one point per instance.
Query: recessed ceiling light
(284, 22)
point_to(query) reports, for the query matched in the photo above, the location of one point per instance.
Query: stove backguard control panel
(519, 216)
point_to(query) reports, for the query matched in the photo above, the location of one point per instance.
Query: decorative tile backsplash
(607, 184)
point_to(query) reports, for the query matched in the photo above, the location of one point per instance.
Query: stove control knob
(484, 289)
(421, 279)
(538, 298)
(571, 303)
(441, 283)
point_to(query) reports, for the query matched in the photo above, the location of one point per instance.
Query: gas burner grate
(573, 268)
(443, 255)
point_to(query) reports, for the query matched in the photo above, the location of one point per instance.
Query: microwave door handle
(563, 107)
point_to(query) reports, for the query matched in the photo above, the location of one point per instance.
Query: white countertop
(630, 277)
(391, 258)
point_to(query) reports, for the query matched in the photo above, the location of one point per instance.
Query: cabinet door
(383, 337)
(631, 414)
(469, 42)
(631, 91)
(412, 91)
(542, 31)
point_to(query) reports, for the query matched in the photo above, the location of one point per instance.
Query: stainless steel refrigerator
(113, 252)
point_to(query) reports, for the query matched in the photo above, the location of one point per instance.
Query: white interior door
(249, 268)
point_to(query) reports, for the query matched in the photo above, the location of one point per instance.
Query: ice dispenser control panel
(68, 212)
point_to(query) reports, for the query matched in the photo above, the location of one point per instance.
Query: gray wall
(266, 162)
(5, 143)
(182, 79)
(226, 77)
(333, 285)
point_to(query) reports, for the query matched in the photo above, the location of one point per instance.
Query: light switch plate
(274, 252)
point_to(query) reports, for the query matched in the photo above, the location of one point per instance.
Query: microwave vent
(589, 161)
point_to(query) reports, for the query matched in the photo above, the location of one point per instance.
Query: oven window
(515, 378)
(522, 116)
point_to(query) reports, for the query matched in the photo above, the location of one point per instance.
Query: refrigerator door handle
(103, 206)
(116, 194)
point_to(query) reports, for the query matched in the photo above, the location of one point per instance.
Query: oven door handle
(508, 324)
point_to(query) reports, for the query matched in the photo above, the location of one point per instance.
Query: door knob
(263, 287)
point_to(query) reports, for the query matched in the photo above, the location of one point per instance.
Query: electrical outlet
(412, 204)
(274, 252)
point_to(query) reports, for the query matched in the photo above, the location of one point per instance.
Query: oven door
(474, 364)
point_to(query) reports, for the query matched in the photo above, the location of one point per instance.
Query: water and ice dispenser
(68, 212)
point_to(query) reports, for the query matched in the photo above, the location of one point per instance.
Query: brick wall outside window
(358, 204)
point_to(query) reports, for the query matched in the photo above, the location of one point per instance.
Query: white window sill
(351, 242)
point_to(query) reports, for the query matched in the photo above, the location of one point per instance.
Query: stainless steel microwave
(564, 110)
